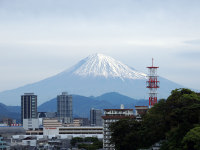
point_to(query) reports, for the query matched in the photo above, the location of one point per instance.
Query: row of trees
(174, 122)
(88, 143)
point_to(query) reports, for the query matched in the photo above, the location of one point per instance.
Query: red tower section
(152, 84)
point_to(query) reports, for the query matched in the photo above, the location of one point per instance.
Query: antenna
(152, 84)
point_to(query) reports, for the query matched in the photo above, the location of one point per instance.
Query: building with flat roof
(67, 132)
(3, 144)
(110, 116)
(141, 110)
(82, 121)
(64, 108)
(31, 124)
(50, 126)
(28, 106)
(95, 117)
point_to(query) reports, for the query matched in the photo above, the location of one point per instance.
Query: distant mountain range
(94, 75)
(9, 112)
(81, 105)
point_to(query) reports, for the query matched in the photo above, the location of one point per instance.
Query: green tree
(75, 140)
(169, 121)
(182, 115)
(191, 140)
(91, 139)
(125, 132)
(88, 143)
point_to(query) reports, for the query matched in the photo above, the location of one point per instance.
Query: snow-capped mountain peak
(94, 75)
(105, 66)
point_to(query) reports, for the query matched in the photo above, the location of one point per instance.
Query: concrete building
(42, 115)
(77, 122)
(29, 141)
(35, 132)
(69, 132)
(81, 121)
(3, 144)
(30, 124)
(95, 117)
(110, 116)
(140, 111)
(64, 108)
(63, 132)
(81, 131)
(54, 128)
(50, 126)
(28, 106)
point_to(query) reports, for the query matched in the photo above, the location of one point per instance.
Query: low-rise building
(29, 141)
(50, 126)
(32, 123)
(82, 121)
(3, 144)
(82, 130)
(67, 132)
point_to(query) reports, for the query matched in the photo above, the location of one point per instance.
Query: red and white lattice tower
(152, 84)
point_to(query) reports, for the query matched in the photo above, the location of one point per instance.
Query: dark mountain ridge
(81, 105)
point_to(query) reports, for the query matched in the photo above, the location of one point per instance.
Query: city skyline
(42, 38)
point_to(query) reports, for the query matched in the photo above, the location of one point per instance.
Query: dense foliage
(173, 122)
(191, 140)
(88, 143)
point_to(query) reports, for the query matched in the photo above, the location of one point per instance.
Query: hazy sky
(40, 38)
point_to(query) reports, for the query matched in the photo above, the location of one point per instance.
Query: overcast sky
(40, 38)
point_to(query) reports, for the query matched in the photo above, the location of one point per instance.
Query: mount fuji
(95, 75)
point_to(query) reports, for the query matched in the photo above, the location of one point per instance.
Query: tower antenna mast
(152, 84)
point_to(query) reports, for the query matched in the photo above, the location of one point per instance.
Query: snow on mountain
(94, 75)
(105, 66)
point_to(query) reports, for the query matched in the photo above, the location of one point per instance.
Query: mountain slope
(104, 66)
(115, 98)
(6, 112)
(82, 104)
(94, 75)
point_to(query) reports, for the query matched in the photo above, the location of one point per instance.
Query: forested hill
(174, 123)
